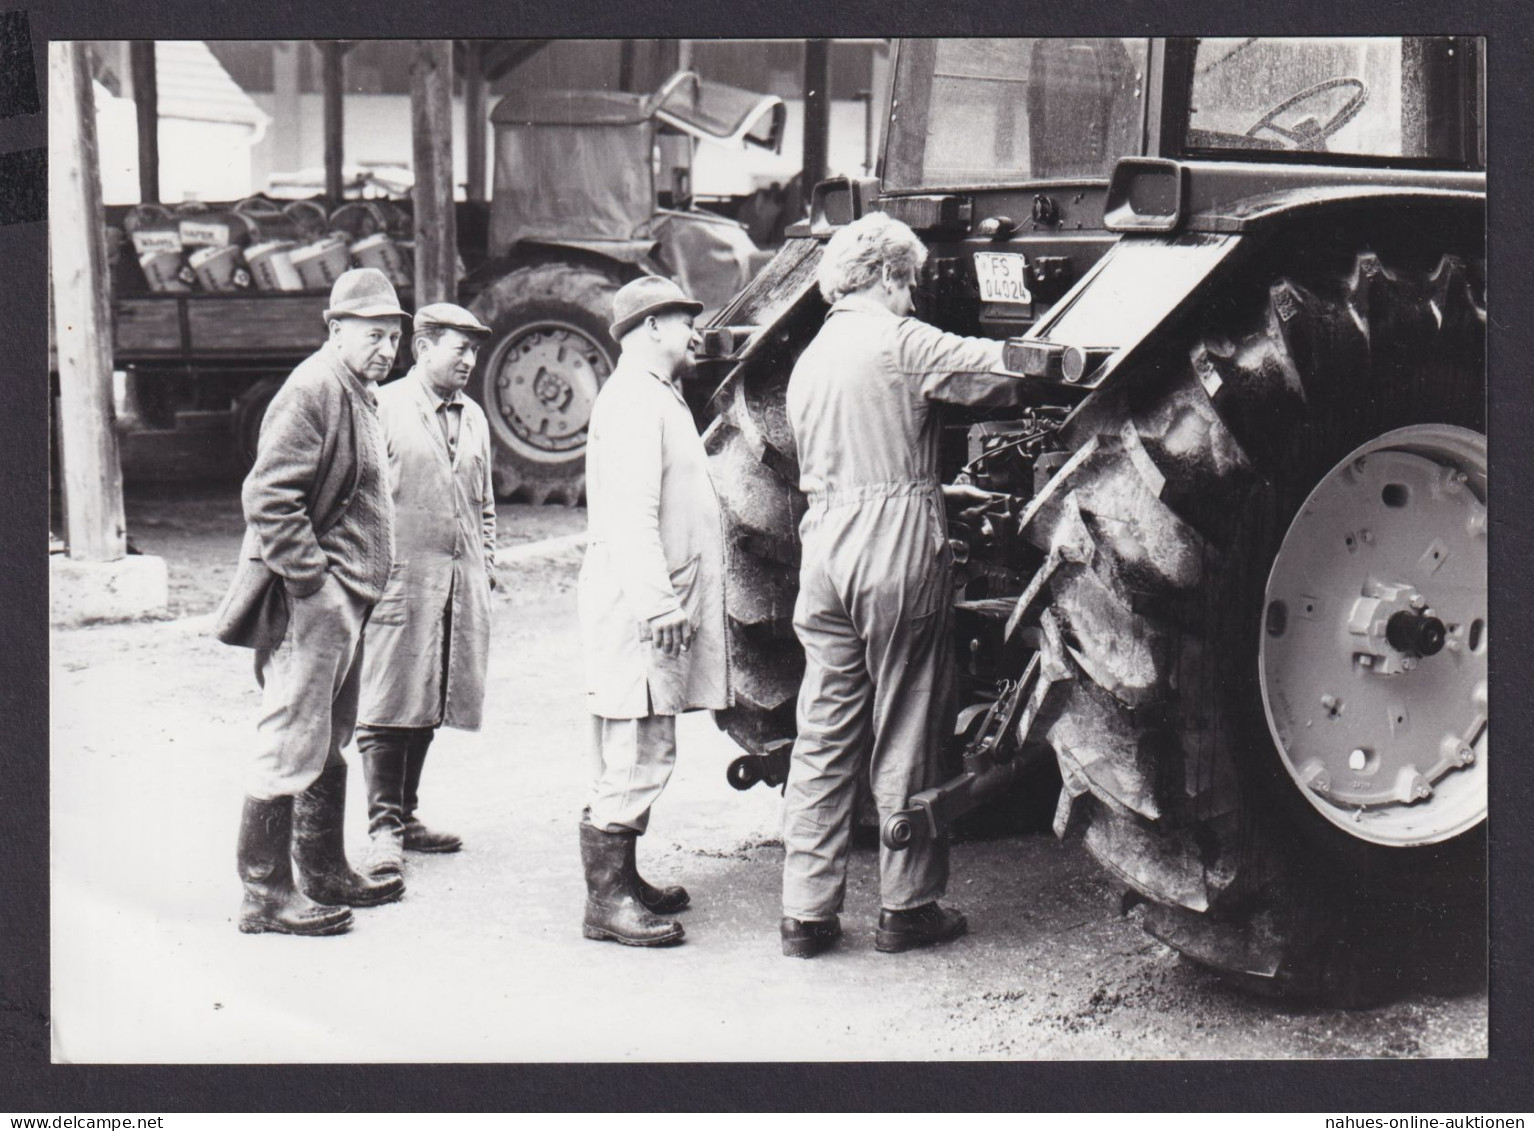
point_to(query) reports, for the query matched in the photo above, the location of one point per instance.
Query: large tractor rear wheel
(754, 465)
(539, 375)
(1266, 628)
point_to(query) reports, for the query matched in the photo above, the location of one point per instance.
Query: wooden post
(431, 120)
(93, 488)
(333, 55)
(817, 111)
(474, 118)
(146, 100)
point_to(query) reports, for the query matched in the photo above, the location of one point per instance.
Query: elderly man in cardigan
(319, 544)
(651, 598)
(429, 637)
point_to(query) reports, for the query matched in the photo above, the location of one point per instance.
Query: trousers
(310, 687)
(632, 761)
(873, 616)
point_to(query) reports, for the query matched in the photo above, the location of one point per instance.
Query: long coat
(303, 483)
(444, 536)
(655, 544)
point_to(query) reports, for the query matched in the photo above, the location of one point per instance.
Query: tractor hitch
(771, 766)
(993, 759)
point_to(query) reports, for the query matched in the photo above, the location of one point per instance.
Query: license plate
(1003, 277)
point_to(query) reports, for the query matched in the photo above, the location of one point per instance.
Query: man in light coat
(874, 603)
(429, 637)
(319, 542)
(651, 601)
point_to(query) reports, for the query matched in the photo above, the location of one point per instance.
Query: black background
(30, 1084)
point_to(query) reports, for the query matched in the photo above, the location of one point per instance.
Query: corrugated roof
(193, 85)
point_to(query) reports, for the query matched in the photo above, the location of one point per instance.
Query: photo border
(1500, 1083)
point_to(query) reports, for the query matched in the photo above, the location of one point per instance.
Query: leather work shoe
(920, 926)
(272, 903)
(805, 938)
(319, 848)
(418, 838)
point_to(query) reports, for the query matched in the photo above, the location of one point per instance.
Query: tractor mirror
(1145, 194)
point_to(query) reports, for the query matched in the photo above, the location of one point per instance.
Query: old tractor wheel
(539, 375)
(1266, 630)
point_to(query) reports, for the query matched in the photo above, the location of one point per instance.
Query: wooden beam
(817, 110)
(474, 118)
(146, 100)
(431, 121)
(93, 488)
(333, 56)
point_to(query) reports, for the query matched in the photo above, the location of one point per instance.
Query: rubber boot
(419, 838)
(271, 902)
(319, 847)
(383, 763)
(658, 901)
(613, 909)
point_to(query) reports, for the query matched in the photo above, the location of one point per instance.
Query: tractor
(592, 189)
(1226, 567)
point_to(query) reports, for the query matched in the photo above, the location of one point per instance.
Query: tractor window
(1366, 97)
(971, 112)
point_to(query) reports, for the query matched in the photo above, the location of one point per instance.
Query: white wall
(198, 160)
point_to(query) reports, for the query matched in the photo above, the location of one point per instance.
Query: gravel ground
(483, 960)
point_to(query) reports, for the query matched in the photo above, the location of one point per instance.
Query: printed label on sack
(157, 243)
(203, 233)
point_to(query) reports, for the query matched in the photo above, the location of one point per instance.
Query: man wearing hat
(319, 544)
(429, 637)
(651, 601)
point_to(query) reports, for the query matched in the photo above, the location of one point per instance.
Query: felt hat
(363, 292)
(647, 295)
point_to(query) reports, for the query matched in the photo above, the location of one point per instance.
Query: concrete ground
(484, 961)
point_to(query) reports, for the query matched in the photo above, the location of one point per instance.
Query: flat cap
(363, 292)
(451, 316)
(647, 295)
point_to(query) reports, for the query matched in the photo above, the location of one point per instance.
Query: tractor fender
(1117, 310)
(625, 259)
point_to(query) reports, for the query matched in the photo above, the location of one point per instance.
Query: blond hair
(856, 256)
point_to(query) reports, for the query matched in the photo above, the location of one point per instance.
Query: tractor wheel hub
(1373, 656)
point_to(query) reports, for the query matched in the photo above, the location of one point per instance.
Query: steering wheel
(1307, 134)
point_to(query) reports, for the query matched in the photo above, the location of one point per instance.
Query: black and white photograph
(613, 550)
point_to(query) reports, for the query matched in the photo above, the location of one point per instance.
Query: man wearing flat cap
(651, 601)
(319, 545)
(429, 636)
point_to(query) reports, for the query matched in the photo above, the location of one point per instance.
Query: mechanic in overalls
(874, 606)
